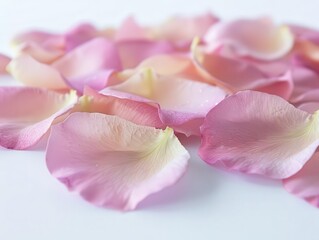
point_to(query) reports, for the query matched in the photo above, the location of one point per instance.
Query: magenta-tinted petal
(259, 133)
(112, 162)
(305, 183)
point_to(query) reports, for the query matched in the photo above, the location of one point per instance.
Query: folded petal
(26, 114)
(130, 31)
(33, 73)
(4, 61)
(259, 133)
(90, 64)
(138, 112)
(172, 64)
(112, 162)
(258, 38)
(305, 183)
(236, 75)
(181, 100)
(42, 46)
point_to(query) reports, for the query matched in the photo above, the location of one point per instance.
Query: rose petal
(140, 113)
(32, 73)
(183, 103)
(236, 75)
(305, 183)
(112, 162)
(181, 28)
(42, 46)
(258, 38)
(26, 114)
(79, 35)
(308, 53)
(130, 31)
(259, 133)
(305, 80)
(89, 64)
(4, 61)
(133, 53)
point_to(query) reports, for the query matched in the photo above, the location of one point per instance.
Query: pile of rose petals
(111, 103)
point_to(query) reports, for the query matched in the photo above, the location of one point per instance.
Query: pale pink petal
(181, 100)
(258, 38)
(40, 53)
(112, 162)
(308, 53)
(170, 64)
(236, 75)
(304, 80)
(304, 33)
(258, 133)
(133, 53)
(94, 55)
(32, 73)
(42, 46)
(79, 35)
(181, 28)
(26, 114)
(130, 30)
(4, 61)
(305, 183)
(138, 112)
(90, 64)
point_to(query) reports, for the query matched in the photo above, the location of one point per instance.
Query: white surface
(205, 204)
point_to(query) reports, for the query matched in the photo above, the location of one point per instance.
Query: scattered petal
(183, 103)
(134, 52)
(32, 73)
(112, 162)
(26, 114)
(4, 61)
(258, 38)
(305, 183)
(236, 75)
(259, 133)
(181, 28)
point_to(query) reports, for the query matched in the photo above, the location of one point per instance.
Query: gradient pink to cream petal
(115, 163)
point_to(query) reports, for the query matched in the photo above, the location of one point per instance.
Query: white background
(205, 204)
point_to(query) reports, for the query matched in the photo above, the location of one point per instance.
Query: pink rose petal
(138, 112)
(259, 133)
(112, 162)
(236, 75)
(183, 103)
(90, 64)
(26, 114)
(184, 29)
(258, 38)
(4, 61)
(305, 183)
(32, 73)
(134, 52)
